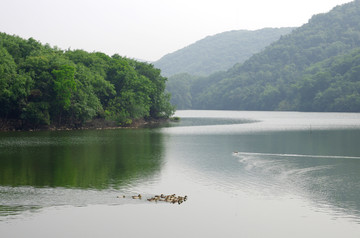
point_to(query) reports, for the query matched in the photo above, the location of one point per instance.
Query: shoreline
(96, 124)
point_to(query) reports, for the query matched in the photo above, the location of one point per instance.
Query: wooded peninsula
(45, 87)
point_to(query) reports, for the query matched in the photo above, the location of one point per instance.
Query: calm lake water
(246, 174)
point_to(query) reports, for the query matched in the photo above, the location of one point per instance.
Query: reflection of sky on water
(325, 180)
(259, 122)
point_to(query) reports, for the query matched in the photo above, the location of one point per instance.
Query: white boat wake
(246, 154)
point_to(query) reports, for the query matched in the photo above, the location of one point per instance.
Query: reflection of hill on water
(79, 159)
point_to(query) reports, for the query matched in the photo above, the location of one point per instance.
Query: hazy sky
(147, 29)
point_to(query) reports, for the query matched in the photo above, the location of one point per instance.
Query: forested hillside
(218, 52)
(45, 86)
(315, 68)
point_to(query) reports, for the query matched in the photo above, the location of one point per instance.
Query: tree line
(42, 85)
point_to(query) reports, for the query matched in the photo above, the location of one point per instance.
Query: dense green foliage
(315, 68)
(41, 85)
(332, 85)
(218, 52)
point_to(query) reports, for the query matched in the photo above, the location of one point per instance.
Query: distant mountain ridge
(218, 52)
(315, 68)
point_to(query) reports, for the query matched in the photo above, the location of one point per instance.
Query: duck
(165, 198)
(137, 197)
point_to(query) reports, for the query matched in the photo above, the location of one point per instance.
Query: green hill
(218, 52)
(41, 86)
(315, 68)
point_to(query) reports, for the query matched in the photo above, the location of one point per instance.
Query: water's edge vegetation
(45, 87)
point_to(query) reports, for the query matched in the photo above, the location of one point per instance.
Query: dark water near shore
(247, 174)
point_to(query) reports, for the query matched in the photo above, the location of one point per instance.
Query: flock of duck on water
(162, 198)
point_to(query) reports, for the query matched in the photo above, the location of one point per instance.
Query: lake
(246, 174)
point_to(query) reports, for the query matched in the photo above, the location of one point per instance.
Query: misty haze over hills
(218, 52)
(314, 68)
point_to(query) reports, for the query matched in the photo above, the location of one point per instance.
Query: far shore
(97, 124)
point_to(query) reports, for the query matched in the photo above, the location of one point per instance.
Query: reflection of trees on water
(79, 159)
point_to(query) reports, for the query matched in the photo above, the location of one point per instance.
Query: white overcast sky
(147, 29)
